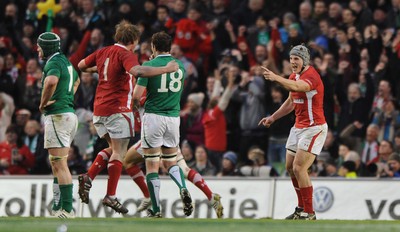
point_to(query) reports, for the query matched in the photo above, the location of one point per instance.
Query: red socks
(99, 164)
(198, 180)
(300, 203)
(307, 194)
(137, 175)
(114, 172)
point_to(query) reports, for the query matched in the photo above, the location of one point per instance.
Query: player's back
(164, 91)
(58, 65)
(115, 87)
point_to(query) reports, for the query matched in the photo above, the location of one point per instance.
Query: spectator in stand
(214, 120)
(396, 142)
(83, 135)
(354, 111)
(388, 120)
(247, 14)
(187, 150)
(344, 150)
(380, 17)
(335, 13)
(34, 140)
(363, 14)
(125, 11)
(394, 14)
(7, 108)
(331, 146)
(149, 13)
(307, 23)
(15, 156)
(259, 166)
(86, 91)
(193, 37)
(22, 116)
(75, 162)
(178, 12)
(6, 82)
(90, 15)
(162, 18)
(202, 164)
(217, 16)
(394, 165)
(295, 37)
(13, 67)
(278, 132)
(288, 19)
(331, 168)
(374, 44)
(229, 163)
(320, 11)
(383, 96)
(361, 168)
(348, 170)
(251, 94)
(66, 15)
(191, 126)
(369, 146)
(28, 87)
(96, 41)
(384, 151)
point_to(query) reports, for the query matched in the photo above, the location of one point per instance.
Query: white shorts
(118, 126)
(59, 130)
(310, 139)
(160, 131)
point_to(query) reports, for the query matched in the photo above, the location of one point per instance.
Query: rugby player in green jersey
(60, 82)
(160, 124)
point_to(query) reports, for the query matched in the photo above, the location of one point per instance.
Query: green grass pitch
(36, 224)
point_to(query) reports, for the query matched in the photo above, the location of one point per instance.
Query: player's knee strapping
(152, 157)
(182, 164)
(54, 158)
(169, 157)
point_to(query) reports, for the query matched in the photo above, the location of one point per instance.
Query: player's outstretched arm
(290, 85)
(147, 71)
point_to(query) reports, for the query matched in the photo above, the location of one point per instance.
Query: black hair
(162, 41)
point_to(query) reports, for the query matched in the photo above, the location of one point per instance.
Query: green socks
(66, 197)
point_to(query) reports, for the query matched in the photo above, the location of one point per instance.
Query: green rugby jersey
(58, 65)
(163, 91)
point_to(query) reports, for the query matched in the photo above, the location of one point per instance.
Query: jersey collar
(163, 55)
(120, 45)
(52, 57)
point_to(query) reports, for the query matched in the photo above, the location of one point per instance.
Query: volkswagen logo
(323, 199)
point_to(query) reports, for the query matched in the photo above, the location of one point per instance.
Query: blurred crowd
(355, 46)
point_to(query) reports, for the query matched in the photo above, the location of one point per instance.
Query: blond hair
(126, 33)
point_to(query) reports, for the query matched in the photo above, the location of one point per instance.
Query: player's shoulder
(312, 71)
(148, 63)
(54, 62)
